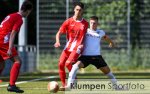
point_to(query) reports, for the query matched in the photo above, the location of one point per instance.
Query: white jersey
(92, 42)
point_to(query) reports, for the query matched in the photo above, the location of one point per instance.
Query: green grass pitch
(38, 83)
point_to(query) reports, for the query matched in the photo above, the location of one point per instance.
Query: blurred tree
(139, 13)
(114, 12)
(135, 23)
(112, 15)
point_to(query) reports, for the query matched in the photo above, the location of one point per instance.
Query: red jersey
(75, 31)
(11, 22)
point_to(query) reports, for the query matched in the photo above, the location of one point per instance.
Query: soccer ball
(53, 86)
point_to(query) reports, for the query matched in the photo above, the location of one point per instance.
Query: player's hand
(80, 46)
(57, 44)
(9, 52)
(111, 45)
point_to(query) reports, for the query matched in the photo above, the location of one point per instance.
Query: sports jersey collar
(78, 20)
(94, 31)
(19, 13)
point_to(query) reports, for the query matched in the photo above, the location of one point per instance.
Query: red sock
(14, 73)
(62, 73)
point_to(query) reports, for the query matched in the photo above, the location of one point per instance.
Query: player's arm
(111, 43)
(57, 43)
(61, 31)
(15, 30)
(11, 42)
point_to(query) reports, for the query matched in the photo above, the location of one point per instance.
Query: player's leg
(2, 64)
(102, 65)
(71, 60)
(81, 63)
(65, 61)
(14, 74)
(2, 61)
(15, 69)
(109, 74)
(73, 57)
(73, 72)
(61, 66)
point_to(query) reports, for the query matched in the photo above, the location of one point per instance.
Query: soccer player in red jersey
(9, 27)
(75, 28)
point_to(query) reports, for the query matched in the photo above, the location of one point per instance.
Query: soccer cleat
(121, 88)
(13, 88)
(64, 88)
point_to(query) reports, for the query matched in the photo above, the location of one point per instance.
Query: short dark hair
(79, 4)
(26, 5)
(94, 18)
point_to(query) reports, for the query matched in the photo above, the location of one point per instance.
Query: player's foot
(121, 88)
(62, 88)
(14, 88)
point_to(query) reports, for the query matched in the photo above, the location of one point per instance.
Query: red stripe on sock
(14, 73)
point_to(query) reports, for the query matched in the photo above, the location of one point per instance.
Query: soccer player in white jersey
(92, 53)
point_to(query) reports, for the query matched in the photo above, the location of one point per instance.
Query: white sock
(112, 78)
(72, 74)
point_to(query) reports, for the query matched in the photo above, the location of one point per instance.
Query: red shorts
(3, 52)
(69, 56)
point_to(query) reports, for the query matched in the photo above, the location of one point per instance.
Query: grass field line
(33, 80)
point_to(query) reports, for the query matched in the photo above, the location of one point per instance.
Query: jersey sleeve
(64, 27)
(102, 33)
(17, 25)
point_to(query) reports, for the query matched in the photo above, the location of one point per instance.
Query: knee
(75, 65)
(107, 71)
(80, 64)
(68, 64)
(17, 59)
(18, 62)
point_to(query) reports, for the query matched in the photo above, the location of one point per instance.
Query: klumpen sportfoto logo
(101, 86)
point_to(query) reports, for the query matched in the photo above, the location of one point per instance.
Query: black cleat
(13, 88)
